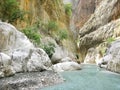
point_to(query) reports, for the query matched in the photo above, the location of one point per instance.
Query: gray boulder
(113, 57)
(66, 59)
(66, 66)
(19, 53)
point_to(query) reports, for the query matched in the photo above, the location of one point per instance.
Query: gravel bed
(30, 81)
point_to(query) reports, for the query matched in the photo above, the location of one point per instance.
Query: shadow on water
(89, 78)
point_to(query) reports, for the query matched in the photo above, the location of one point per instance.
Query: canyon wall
(100, 30)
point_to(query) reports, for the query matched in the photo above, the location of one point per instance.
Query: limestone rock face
(100, 26)
(113, 57)
(101, 34)
(91, 56)
(18, 53)
(81, 13)
(84, 10)
(103, 15)
(42, 11)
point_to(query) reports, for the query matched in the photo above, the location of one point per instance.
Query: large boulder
(66, 66)
(59, 54)
(112, 57)
(18, 53)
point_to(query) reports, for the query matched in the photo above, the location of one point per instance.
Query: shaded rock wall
(100, 26)
(82, 12)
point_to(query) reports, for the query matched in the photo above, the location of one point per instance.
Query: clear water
(89, 78)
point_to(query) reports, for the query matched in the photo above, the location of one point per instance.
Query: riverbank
(30, 81)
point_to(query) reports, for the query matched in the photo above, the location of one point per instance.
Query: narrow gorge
(59, 44)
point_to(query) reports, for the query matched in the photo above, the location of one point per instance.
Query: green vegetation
(49, 49)
(68, 9)
(9, 11)
(51, 26)
(32, 34)
(103, 50)
(110, 40)
(62, 34)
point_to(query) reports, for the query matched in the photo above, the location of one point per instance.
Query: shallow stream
(90, 77)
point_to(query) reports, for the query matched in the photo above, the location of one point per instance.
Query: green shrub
(62, 34)
(32, 34)
(9, 10)
(52, 25)
(68, 9)
(110, 40)
(49, 49)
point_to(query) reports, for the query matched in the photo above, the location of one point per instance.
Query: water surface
(89, 78)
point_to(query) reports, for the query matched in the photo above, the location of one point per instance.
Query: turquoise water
(89, 78)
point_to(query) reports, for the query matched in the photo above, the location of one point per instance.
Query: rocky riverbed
(30, 81)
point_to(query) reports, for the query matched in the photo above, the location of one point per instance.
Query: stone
(6, 68)
(112, 57)
(66, 59)
(19, 54)
(59, 54)
(30, 81)
(91, 56)
(66, 66)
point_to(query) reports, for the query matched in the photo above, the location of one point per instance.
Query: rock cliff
(42, 10)
(101, 26)
(82, 12)
(48, 13)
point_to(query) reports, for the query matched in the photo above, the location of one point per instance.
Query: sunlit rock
(20, 55)
(113, 57)
(66, 66)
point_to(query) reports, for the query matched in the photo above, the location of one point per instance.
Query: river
(90, 77)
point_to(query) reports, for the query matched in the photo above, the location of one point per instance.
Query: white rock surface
(66, 59)
(19, 53)
(113, 57)
(66, 66)
(91, 56)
